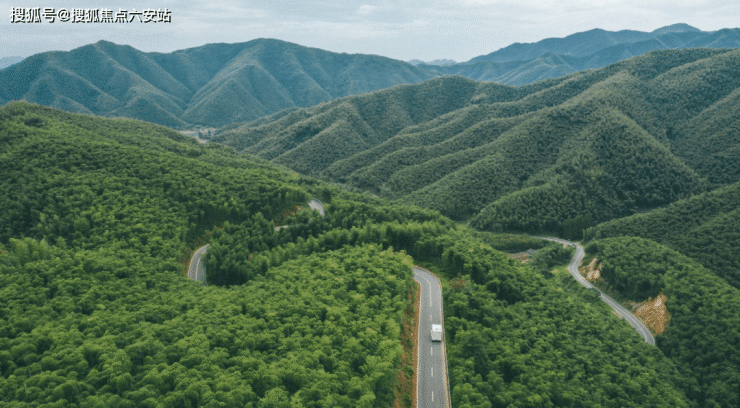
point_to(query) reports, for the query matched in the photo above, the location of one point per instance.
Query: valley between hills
(627, 142)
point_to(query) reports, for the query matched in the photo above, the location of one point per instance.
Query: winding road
(432, 384)
(197, 268)
(621, 311)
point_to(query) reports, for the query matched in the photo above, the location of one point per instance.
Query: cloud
(404, 29)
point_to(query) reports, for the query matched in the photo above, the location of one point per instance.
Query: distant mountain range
(219, 84)
(210, 85)
(590, 42)
(598, 144)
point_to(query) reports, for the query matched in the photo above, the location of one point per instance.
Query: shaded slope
(212, 85)
(96, 212)
(360, 122)
(612, 168)
(710, 143)
(590, 42)
(598, 144)
(219, 84)
(703, 309)
(520, 64)
(704, 227)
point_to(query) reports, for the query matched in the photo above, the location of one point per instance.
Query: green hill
(597, 43)
(521, 64)
(703, 310)
(598, 145)
(98, 215)
(219, 84)
(704, 227)
(212, 85)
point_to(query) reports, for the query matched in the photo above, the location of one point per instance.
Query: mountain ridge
(217, 84)
(579, 44)
(488, 152)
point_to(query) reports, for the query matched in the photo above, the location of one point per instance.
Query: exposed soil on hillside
(522, 257)
(654, 313)
(592, 271)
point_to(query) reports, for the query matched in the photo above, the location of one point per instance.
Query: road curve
(197, 268)
(573, 269)
(317, 205)
(432, 383)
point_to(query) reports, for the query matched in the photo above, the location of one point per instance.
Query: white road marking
(432, 351)
(432, 396)
(432, 371)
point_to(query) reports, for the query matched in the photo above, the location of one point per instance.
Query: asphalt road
(197, 268)
(432, 386)
(317, 205)
(573, 269)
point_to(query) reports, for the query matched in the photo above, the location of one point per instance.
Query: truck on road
(436, 332)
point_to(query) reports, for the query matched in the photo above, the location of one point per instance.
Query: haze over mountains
(599, 144)
(218, 84)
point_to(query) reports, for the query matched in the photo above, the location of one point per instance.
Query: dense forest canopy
(702, 336)
(705, 227)
(556, 156)
(94, 310)
(219, 84)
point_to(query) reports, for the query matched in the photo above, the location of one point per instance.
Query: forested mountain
(521, 64)
(704, 311)
(555, 155)
(218, 84)
(96, 219)
(590, 42)
(212, 85)
(705, 227)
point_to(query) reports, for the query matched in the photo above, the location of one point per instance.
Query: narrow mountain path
(621, 311)
(432, 382)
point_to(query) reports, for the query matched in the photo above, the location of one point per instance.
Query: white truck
(436, 332)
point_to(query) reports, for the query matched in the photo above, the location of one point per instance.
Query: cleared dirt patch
(522, 257)
(591, 271)
(654, 313)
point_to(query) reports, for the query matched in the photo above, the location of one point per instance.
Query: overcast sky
(401, 29)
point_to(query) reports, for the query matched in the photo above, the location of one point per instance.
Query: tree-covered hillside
(211, 85)
(702, 336)
(705, 227)
(598, 145)
(521, 64)
(219, 84)
(587, 43)
(96, 214)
